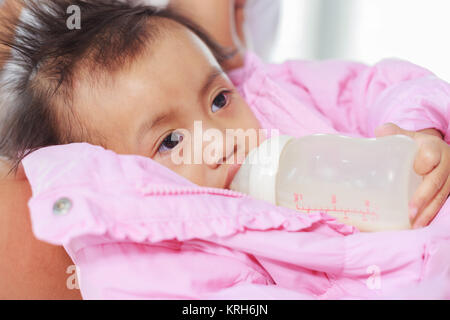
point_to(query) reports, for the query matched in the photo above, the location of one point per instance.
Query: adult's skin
(32, 269)
(29, 268)
(222, 19)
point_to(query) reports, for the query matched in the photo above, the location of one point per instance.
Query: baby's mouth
(232, 171)
(238, 159)
(233, 164)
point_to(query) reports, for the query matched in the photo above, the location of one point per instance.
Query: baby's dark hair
(36, 83)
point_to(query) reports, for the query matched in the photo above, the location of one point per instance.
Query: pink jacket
(137, 230)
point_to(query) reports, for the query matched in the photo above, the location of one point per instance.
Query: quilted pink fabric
(137, 230)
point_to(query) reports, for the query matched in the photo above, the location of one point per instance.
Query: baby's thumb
(389, 129)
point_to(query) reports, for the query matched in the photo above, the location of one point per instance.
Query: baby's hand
(432, 162)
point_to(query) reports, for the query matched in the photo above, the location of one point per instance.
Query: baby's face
(152, 108)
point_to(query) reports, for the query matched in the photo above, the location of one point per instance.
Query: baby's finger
(430, 211)
(429, 187)
(427, 158)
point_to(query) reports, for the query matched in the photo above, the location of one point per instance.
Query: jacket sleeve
(245, 265)
(359, 98)
(167, 270)
(133, 237)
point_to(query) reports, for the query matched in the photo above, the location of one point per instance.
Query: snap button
(62, 206)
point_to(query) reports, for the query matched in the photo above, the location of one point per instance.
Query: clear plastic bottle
(362, 182)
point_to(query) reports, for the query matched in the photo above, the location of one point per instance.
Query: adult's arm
(29, 268)
(9, 11)
(359, 98)
(222, 19)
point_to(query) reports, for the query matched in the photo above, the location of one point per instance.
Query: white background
(366, 31)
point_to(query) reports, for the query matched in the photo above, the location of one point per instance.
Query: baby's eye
(220, 101)
(170, 142)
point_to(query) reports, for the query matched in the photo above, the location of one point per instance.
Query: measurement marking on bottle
(368, 212)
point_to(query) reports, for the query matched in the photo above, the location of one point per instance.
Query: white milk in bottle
(362, 182)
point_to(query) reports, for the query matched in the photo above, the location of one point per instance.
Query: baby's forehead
(174, 52)
(184, 43)
(173, 67)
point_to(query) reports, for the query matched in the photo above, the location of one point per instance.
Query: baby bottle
(366, 183)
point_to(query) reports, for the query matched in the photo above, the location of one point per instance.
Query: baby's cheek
(191, 172)
(197, 173)
(167, 162)
(244, 116)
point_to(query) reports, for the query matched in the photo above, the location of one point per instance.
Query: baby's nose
(220, 152)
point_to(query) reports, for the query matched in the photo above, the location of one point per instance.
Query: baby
(137, 80)
(126, 81)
